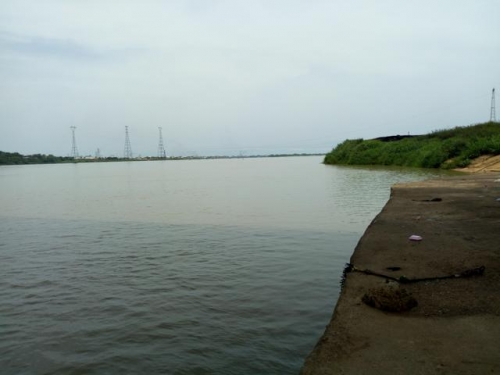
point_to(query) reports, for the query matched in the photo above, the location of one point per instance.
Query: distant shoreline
(8, 158)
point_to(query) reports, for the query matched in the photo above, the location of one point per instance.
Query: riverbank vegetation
(451, 148)
(9, 158)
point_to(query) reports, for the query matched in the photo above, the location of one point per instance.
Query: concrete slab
(455, 329)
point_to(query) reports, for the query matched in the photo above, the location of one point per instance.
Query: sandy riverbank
(455, 328)
(483, 164)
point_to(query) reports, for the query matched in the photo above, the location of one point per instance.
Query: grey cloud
(62, 48)
(34, 45)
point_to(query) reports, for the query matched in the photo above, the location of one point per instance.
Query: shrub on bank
(449, 148)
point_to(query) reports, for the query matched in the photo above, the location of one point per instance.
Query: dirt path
(455, 328)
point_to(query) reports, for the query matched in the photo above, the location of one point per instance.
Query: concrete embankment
(451, 325)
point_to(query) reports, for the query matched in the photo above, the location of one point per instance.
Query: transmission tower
(74, 149)
(161, 149)
(98, 154)
(127, 153)
(492, 113)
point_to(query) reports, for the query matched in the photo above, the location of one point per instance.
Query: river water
(177, 267)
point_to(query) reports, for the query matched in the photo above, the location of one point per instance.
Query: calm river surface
(177, 267)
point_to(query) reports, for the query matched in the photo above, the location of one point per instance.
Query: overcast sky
(240, 77)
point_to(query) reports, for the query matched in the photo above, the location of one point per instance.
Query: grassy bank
(451, 148)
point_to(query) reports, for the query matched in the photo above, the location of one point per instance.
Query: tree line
(13, 158)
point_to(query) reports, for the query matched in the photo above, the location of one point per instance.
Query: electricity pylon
(127, 152)
(161, 149)
(74, 149)
(492, 112)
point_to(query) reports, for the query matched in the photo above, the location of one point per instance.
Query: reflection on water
(192, 267)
